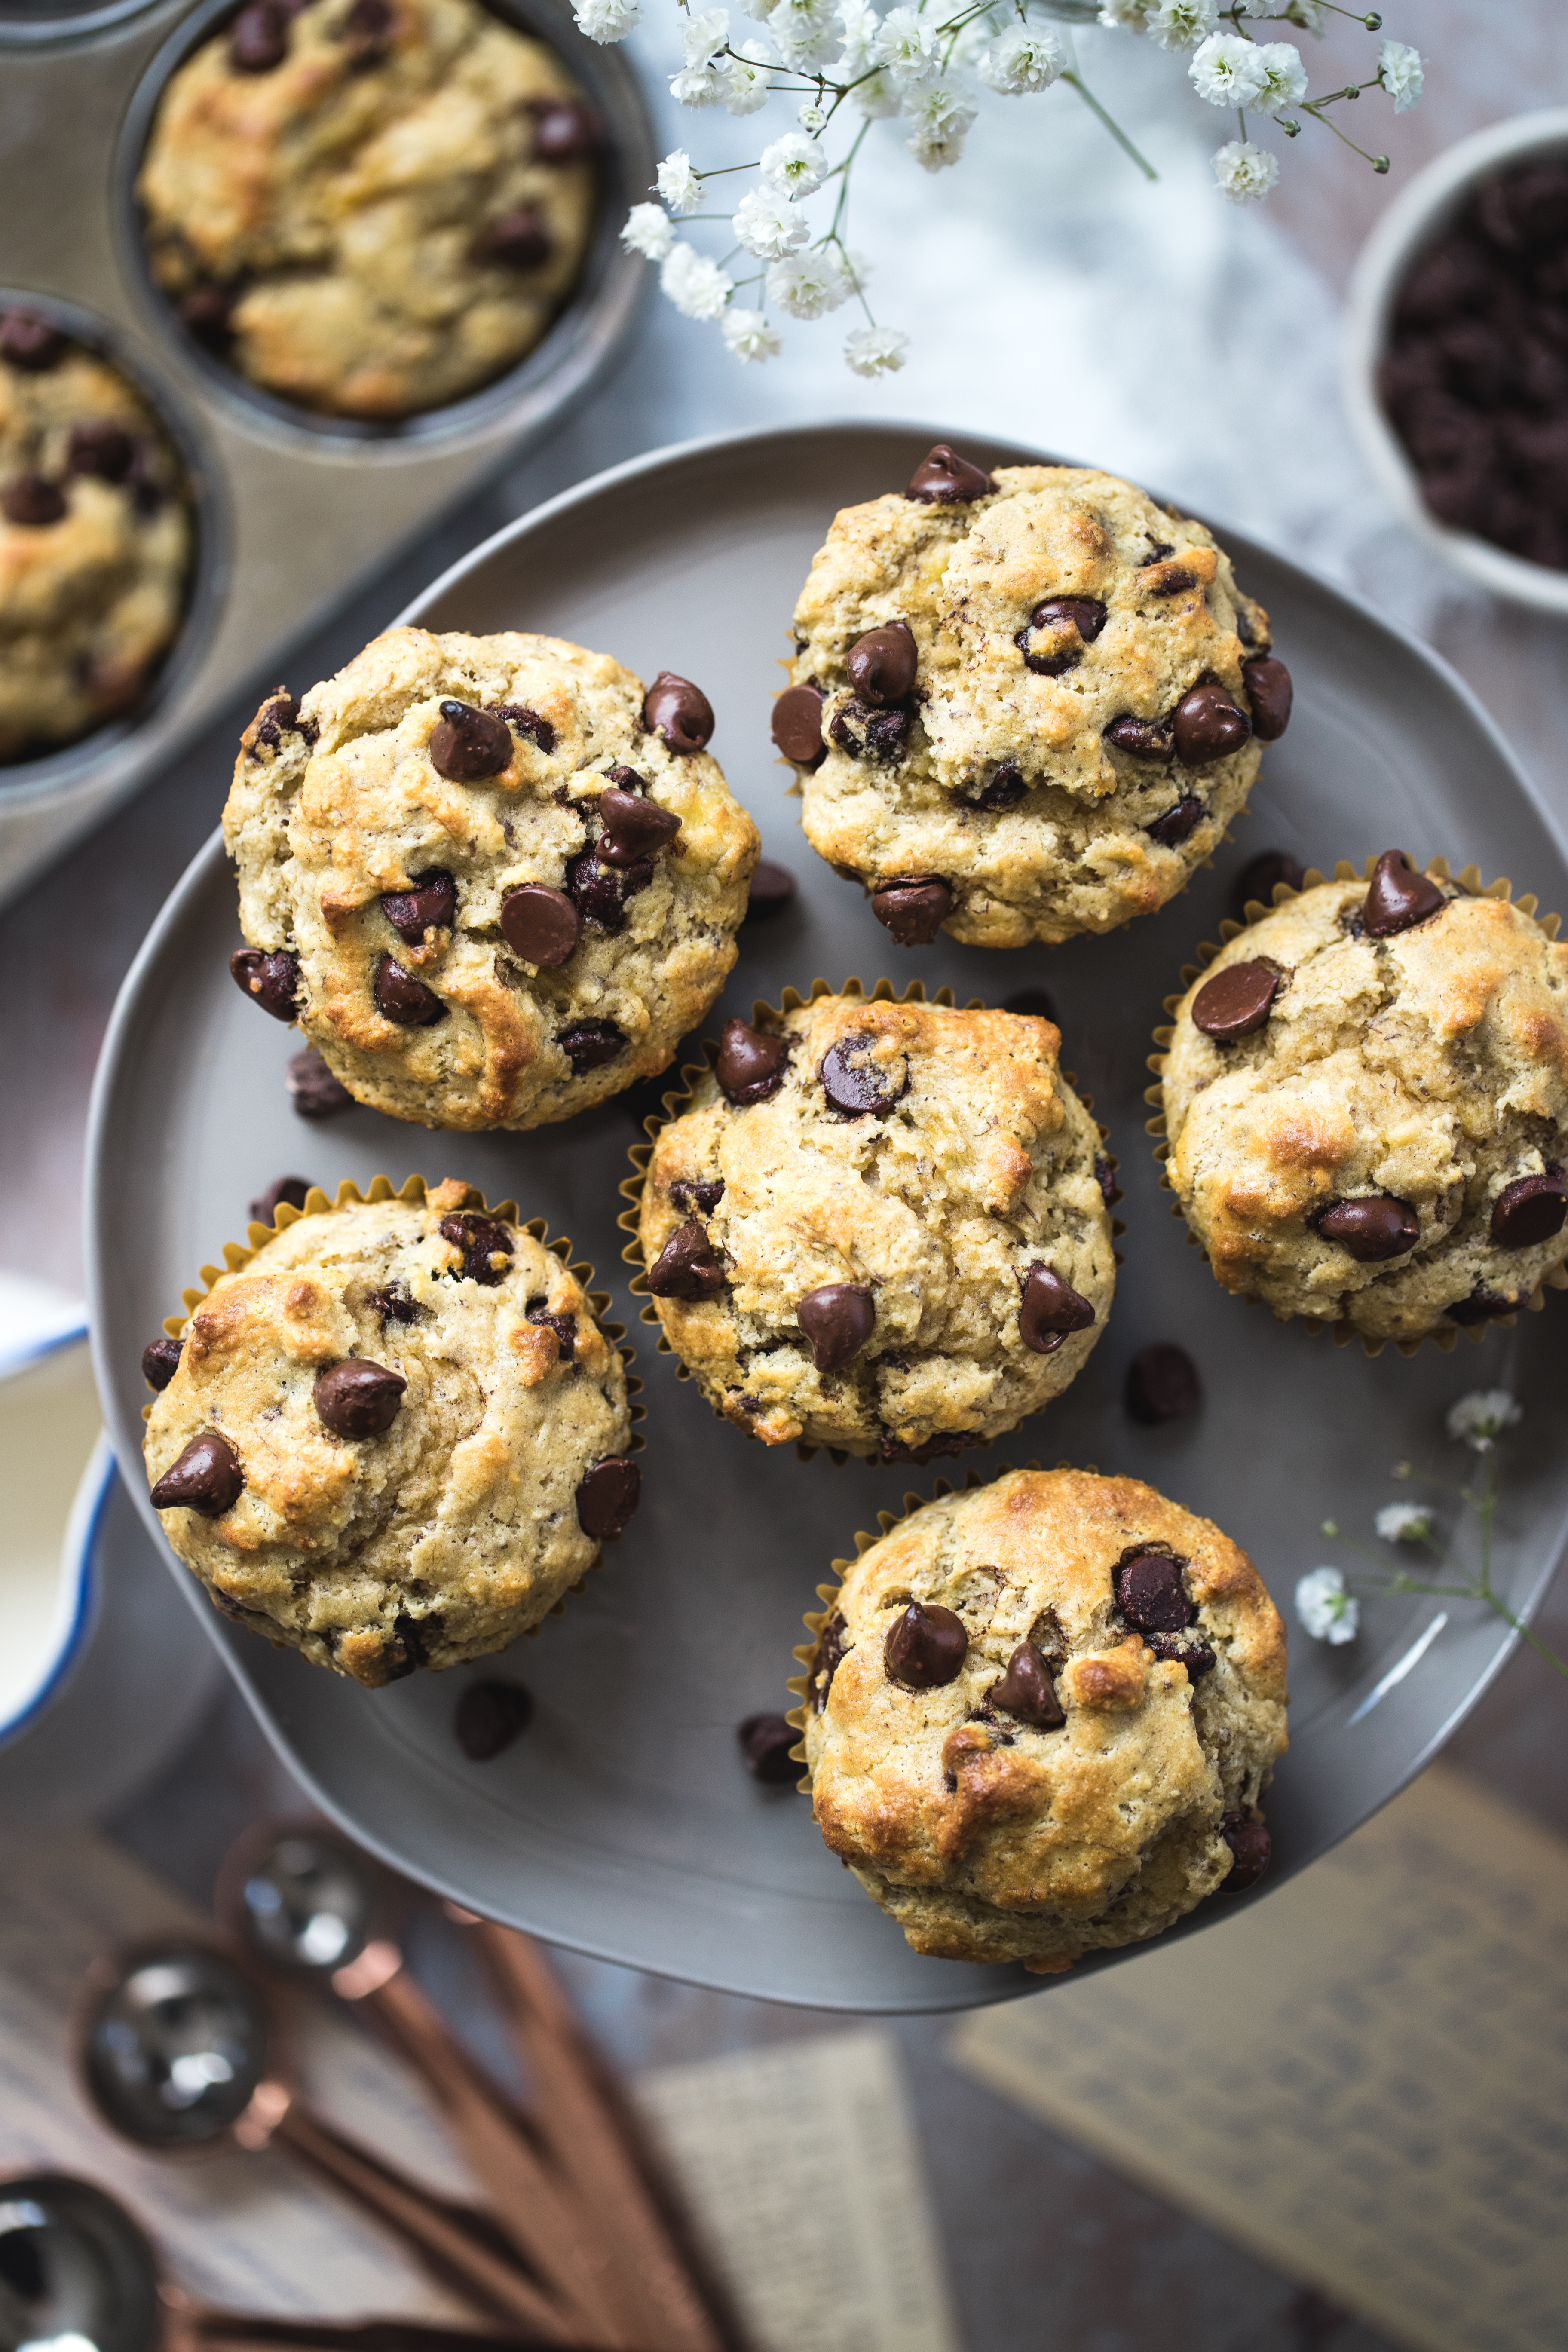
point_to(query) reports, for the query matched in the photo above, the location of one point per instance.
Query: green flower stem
(1114, 128)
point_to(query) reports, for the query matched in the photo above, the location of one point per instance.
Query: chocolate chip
(771, 888)
(1172, 582)
(826, 1659)
(1050, 1308)
(160, 1363)
(1158, 551)
(687, 1266)
(855, 1084)
(1083, 615)
(893, 1449)
(413, 1637)
(633, 827)
(272, 979)
(1003, 789)
(394, 1305)
(488, 1716)
(516, 240)
(1251, 1843)
(1161, 1384)
(358, 1399)
(1530, 1210)
(1235, 1002)
(1026, 1692)
(30, 343)
(467, 744)
(913, 911)
(1371, 1228)
(589, 1045)
(30, 500)
(601, 890)
(608, 1494)
(1105, 1177)
(925, 1647)
(1033, 1002)
(765, 1743)
(277, 717)
(1399, 896)
(482, 1241)
(259, 39)
(1481, 1306)
(1208, 726)
(1172, 829)
(537, 730)
(1196, 1656)
(943, 478)
(428, 904)
(881, 736)
(206, 1478)
(564, 1326)
(100, 447)
(797, 725)
(882, 665)
(837, 1319)
(206, 310)
(1270, 693)
(264, 1207)
(313, 1090)
(1259, 878)
(1143, 738)
(677, 712)
(751, 1065)
(698, 1193)
(565, 131)
(540, 925)
(400, 997)
(1149, 1593)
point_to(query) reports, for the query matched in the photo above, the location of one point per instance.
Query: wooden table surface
(1044, 2244)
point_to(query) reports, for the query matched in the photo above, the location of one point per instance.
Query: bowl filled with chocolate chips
(1456, 356)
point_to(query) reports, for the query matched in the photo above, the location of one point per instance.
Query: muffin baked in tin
(495, 880)
(96, 538)
(1024, 705)
(1365, 1099)
(369, 208)
(1039, 1718)
(878, 1225)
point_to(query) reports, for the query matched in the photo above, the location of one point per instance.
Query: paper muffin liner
(237, 1258)
(679, 1100)
(1469, 881)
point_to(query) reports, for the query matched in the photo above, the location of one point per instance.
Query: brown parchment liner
(1470, 882)
(675, 1103)
(349, 1195)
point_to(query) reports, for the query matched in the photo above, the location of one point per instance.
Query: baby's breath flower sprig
(846, 64)
(1329, 1606)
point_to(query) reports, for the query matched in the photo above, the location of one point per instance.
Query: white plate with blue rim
(623, 1823)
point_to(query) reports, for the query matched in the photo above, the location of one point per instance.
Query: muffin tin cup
(238, 1256)
(1470, 882)
(680, 1099)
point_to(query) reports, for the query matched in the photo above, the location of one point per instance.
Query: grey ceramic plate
(623, 1824)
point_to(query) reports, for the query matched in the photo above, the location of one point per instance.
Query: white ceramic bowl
(1414, 217)
(51, 1475)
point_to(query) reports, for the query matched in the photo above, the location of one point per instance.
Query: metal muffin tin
(291, 510)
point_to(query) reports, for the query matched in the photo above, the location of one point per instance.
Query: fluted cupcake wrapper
(237, 1256)
(680, 1099)
(1469, 881)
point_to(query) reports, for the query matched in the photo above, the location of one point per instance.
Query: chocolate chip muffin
(395, 1436)
(1366, 1103)
(1024, 705)
(492, 879)
(370, 207)
(1039, 1718)
(95, 540)
(880, 1226)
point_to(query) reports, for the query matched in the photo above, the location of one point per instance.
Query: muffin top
(1034, 1711)
(493, 879)
(394, 1439)
(95, 539)
(369, 206)
(880, 1226)
(1028, 692)
(1366, 1101)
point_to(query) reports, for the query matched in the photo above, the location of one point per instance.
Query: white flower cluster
(1403, 1522)
(1327, 1612)
(1479, 1419)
